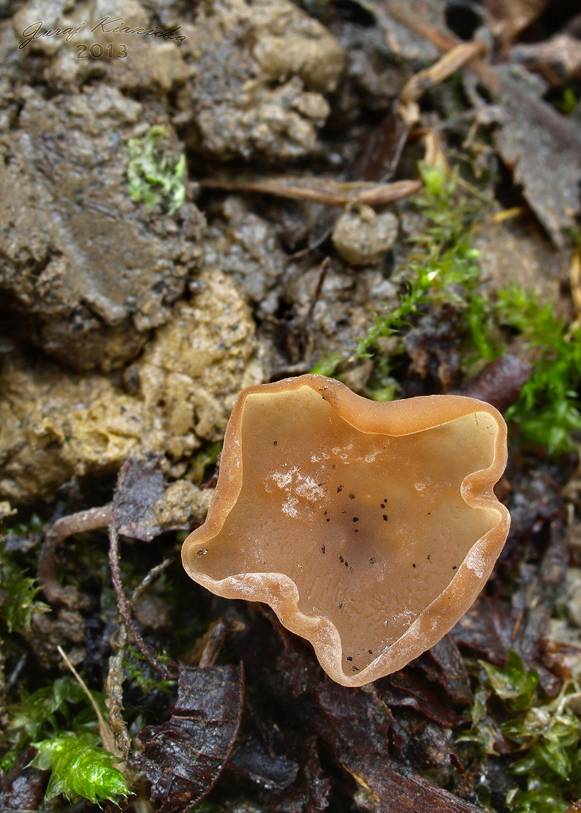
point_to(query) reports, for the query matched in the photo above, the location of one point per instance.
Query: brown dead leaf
(542, 150)
(403, 689)
(184, 757)
(500, 382)
(352, 720)
(254, 761)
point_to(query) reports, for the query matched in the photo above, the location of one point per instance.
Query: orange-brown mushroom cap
(369, 528)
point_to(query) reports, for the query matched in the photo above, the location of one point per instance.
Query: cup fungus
(369, 528)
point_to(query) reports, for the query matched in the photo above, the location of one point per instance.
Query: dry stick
(322, 274)
(151, 576)
(116, 674)
(389, 193)
(372, 195)
(104, 729)
(114, 690)
(575, 278)
(123, 605)
(452, 61)
(559, 126)
(443, 40)
(11, 682)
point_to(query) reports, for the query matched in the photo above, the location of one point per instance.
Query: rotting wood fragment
(184, 757)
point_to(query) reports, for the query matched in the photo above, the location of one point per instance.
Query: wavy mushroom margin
(395, 418)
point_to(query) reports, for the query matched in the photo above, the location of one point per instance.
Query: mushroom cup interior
(371, 527)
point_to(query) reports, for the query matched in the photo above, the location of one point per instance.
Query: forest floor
(198, 198)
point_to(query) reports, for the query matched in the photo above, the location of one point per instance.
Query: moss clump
(444, 270)
(153, 177)
(545, 761)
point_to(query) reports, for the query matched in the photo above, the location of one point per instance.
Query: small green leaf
(327, 364)
(514, 684)
(34, 715)
(544, 799)
(17, 600)
(80, 769)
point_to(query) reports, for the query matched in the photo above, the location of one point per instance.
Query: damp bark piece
(414, 527)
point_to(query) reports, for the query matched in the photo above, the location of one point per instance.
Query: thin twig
(322, 275)
(443, 40)
(215, 638)
(151, 576)
(123, 605)
(114, 690)
(448, 64)
(330, 193)
(104, 729)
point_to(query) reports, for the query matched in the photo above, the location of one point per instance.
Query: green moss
(152, 176)
(17, 595)
(545, 760)
(208, 456)
(50, 710)
(60, 723)
(80, 768)
(548, 410)
(443, 270)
